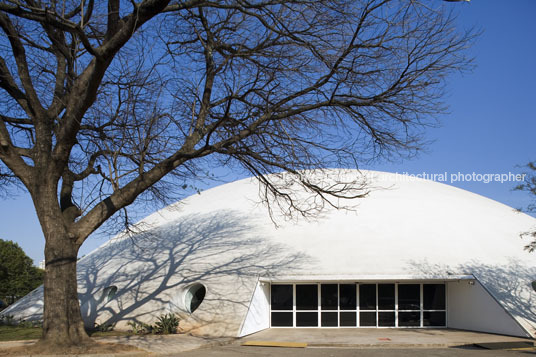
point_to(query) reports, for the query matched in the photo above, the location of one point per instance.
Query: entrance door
(306, 305)
(377, 305)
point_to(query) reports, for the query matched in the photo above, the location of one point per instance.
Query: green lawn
(14, 333)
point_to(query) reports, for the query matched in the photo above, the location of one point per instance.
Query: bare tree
(101, 101)
(529, 185)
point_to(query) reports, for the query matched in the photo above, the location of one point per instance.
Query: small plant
(104, 327)
(37, 323)
(140, 328)
(167, 323)
(25, 324)
(6, 320)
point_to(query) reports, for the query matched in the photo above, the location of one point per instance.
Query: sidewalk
(378, 337)
(161, 345)
(166, 344)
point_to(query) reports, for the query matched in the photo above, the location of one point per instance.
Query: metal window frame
(358, 310)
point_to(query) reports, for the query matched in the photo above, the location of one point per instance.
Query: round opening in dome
(108, 293)
(194, 297)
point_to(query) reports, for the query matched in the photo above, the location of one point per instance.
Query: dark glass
(282, 319)
(328, 296)
(386, 318)
(367, 318)
(197, 297)
(406, 319)
(433, 318)
(433, 296)
(281, 297)
(409, 297)
(386, 296)
(307, 297)
(329, 319)
(367, 297)
(347, 319)
(306, 319)
(347, 298)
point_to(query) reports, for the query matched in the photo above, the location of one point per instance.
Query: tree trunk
(62, 321)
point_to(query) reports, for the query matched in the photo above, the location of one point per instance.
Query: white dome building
(413, 253)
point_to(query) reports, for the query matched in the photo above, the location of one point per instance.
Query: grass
(15, 333)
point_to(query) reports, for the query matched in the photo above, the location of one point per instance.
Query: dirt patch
(90, 348)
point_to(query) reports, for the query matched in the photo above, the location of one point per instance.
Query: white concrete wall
(471, 307)
(258, 315)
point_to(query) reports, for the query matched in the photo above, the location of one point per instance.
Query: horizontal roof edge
(363, 278)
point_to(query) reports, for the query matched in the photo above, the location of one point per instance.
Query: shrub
(25, 324)
(37, 323)
(140, 328)
(104, 327)
(167, 323)
(6, 320)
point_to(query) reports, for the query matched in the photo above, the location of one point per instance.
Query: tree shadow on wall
(509, 283)
(223, 251)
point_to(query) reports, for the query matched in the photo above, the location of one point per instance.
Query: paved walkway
(166, 344)
(384, 338)
(356, 338)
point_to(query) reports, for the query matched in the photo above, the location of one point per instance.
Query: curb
(385, 345)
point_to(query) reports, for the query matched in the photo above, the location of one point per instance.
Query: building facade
(411, 254)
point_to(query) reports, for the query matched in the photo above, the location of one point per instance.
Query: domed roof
(225, 240)
(401, 224)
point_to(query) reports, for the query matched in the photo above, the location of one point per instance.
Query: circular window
(108, 293)
(194, 297)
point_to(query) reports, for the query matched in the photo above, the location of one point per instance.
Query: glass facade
(358, 305)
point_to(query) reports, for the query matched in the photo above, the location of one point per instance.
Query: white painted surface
(258, 315)
(224, 239)
(29, 307)
(471, 307)
(315, 278)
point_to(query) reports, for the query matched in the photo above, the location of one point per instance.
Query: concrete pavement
(377, 339)
(239, 351)
(166, 344)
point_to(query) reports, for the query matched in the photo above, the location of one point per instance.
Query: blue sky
(491, 126)
(492, 122)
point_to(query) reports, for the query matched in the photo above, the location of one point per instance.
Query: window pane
(367, 297)
(329, 319)
(282, 319)
(329, 296)
(409, 297)
(348, 318)
(386, 318)
(367, 318)
(434, 296)
(409, 318)
(433, 318)
(347, 298)
(307, 297)
(281, 297)
(386, 296)
(306, 319)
